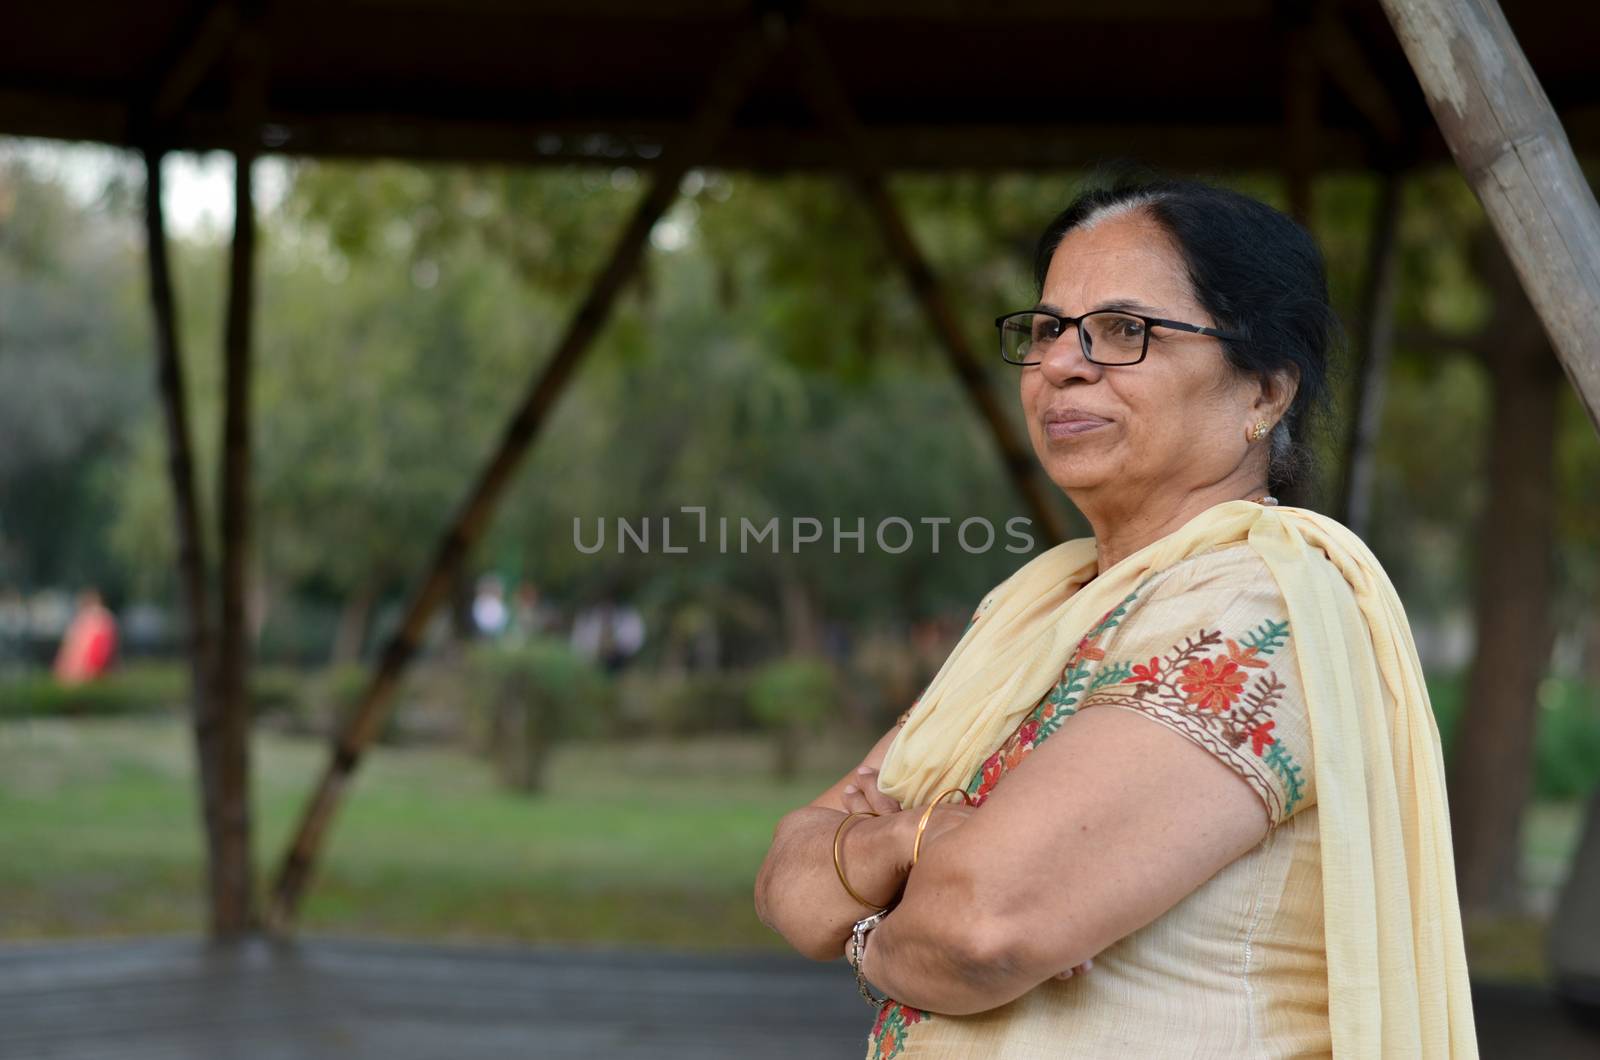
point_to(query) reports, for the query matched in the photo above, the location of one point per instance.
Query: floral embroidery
(1059, 704)
(888, 1035)
(1211, 685)
(1258, 736)
(1204, 688)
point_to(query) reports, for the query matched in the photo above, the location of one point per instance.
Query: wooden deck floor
(177, 999)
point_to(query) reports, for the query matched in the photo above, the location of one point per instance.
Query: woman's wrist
(876, 856)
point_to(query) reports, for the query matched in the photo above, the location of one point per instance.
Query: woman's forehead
(1123, 258)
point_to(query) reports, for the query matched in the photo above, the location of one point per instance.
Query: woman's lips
(1072, 428)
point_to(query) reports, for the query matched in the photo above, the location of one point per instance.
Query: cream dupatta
(1397, 973)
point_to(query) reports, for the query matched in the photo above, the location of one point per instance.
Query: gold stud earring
(1260, 432)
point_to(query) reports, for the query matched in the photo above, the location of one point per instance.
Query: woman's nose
(1063, 361)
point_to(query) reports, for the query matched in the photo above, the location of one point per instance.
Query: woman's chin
(1079, 475)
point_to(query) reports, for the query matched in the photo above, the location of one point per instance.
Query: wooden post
(235, 914)
(865, 171)
(233, 765)
(729, 88)
(186, 518)
(1510, 146)
(1372, 359)
(1491, 757)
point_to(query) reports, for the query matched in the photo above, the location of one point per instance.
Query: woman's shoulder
(1236, 565)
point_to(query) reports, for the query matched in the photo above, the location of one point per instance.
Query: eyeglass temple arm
(1179, 325)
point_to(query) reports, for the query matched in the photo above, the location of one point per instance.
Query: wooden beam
(201, 634)
(62, 117)
(1348, 65)
(968, 146)
(769, 149)
(865, 171)
(206, 43)
(1372, 359)
(1301, 87)
(1511, 148)
(730, 86)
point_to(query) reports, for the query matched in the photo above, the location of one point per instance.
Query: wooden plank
(728, 89)
(1510, 146)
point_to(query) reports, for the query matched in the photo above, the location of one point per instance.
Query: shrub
(140, 687)
(134, 688)
(792, 697)
(528, 697)
(682, 704)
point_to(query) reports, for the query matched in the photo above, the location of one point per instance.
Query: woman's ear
(1277, 393)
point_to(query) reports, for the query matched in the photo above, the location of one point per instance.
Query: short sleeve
(1205, 649)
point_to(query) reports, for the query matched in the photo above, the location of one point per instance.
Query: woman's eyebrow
(1131, 305)
(1121, 305)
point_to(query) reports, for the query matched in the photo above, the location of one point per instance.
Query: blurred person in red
(89, 643)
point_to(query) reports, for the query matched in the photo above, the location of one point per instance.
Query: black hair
(1256, 271)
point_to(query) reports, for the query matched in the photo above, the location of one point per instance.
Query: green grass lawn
(653, 843)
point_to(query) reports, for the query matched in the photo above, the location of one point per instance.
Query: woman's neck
(1120, 532)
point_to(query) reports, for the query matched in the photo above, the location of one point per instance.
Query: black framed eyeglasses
(1106, 336)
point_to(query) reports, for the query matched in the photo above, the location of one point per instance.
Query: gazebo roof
(936, 83)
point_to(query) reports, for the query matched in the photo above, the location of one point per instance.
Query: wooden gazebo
(854, 87)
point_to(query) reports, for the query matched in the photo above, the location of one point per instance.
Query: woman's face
(1176, 421)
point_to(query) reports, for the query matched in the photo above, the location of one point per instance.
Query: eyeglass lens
(1106, 336)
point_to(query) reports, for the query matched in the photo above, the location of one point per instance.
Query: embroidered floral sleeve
(1208, 652)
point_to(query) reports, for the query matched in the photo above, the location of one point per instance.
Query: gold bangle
(916, 847)
(838, 867)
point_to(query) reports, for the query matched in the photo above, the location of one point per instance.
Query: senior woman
(1201, 805)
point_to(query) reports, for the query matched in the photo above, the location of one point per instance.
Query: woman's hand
(864, 795)
(945, 816)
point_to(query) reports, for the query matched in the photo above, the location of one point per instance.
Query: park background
(766, 361)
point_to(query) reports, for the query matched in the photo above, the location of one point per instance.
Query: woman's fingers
(867, 781)
(1070, 972)
(855, 800)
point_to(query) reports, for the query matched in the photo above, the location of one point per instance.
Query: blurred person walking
(90, 642)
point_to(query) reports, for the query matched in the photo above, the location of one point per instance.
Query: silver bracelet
(858, 946)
